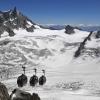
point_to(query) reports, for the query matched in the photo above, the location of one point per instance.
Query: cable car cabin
(42, 79)
(34, 79)
(22, 80)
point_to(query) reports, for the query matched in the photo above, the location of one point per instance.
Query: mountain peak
(14, 19)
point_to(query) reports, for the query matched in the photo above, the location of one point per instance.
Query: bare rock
(3, 92)
(18, 94)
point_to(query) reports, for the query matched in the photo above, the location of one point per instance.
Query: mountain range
(82, 27)
(24, 42)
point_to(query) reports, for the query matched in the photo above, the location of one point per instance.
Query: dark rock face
(82, 45)
(30, 29)
(14, 19)
(69, 29)
(3, 92)
(35, 97)
(97, 34)
(21, 95)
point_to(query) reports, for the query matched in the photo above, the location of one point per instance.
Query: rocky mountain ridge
(13, 19)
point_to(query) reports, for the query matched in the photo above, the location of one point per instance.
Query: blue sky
(57, 11)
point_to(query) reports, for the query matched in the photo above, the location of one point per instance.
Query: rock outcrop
(82, 45)
(97, 35)
(13, 19)
(69, 29)
(3, 92)
(22, 95)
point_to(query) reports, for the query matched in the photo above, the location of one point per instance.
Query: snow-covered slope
(43, 45)
(47, 49)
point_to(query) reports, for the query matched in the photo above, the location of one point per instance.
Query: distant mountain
(90, 28)
(13, 19)
(53, 26)
(60, 27)
(71, 29)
